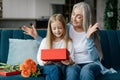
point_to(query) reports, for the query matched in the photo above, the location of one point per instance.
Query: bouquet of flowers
(29, 68)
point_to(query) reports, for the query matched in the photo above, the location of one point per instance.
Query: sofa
(110, 43)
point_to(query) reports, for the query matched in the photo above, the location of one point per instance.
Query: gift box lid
(8, 73)
(54, 54)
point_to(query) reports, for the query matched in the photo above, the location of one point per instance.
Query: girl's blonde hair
(50, 36)
(87, 21)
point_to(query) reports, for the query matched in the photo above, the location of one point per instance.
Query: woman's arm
(92, 50)
(32, 32)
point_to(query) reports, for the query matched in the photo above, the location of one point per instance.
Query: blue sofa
(110, 42)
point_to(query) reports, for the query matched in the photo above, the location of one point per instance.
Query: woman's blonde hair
(87, 21)
(86, 14)
(50, 36)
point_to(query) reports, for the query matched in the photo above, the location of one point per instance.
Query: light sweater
(80, 45)
(59, 44)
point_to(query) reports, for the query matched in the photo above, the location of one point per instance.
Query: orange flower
(33, 69)
(29, 62)
(24, 67)
(26, 73)
(28, 67)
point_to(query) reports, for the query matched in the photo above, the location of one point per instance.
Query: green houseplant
(111, 15)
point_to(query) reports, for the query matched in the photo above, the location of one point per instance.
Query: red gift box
(54, 54)
(8, 73)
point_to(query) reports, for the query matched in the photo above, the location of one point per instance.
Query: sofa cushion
(118, 35)
(114, 48)
(106, 61)
(5, 35)
(20, 49)
(42, 33)
(110, 43)
(114, 76)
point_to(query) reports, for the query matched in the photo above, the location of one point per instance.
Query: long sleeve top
(59, 44)
(85, 50)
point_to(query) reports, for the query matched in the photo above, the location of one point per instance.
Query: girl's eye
(54, 28)
(60, 28)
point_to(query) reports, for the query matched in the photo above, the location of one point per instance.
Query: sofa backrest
(110, 43)
(16, 34)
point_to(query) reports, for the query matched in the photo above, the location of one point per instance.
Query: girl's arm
(70, 55)
(71, 51)
(42, 46)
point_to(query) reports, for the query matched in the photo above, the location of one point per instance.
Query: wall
(42, 8)
(18, 9)
(28, 8)
(100, 12)
(119, 14)
(15, 23)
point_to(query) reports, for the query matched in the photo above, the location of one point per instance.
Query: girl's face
(77, 17)
(57, 29)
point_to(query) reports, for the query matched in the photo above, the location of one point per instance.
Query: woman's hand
(30, 31)
(92, 29)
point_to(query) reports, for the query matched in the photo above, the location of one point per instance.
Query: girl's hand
(30, 31)
(66, 62)
(46, 62)
(92, 29)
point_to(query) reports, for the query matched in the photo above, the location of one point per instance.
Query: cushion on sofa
(20, 49)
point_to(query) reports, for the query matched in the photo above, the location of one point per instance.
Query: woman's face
(77, 17)
(57, 29)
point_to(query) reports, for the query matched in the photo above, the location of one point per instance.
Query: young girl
(57, 37)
